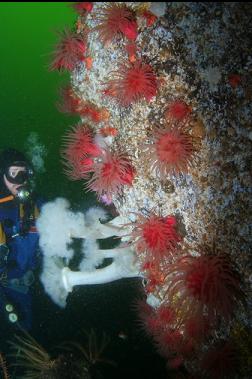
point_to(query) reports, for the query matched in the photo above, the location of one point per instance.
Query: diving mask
(18, 173)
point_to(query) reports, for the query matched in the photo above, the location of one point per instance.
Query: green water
(29, 91)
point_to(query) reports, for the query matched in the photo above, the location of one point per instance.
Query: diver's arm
(4, 250)
(5, 306)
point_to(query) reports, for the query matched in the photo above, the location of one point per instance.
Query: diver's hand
(4, 252)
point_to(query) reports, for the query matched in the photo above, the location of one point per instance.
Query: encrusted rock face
(201, 56)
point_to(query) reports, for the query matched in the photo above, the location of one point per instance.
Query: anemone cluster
(147, 142)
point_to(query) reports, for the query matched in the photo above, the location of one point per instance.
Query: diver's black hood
(10, 156)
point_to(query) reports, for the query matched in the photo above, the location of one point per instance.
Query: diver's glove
(4, 252)
(28, 278)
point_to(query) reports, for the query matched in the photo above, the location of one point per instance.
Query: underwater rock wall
(192, 66)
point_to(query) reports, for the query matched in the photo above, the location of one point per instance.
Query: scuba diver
(19, 252)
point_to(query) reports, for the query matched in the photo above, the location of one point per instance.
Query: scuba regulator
(24, 194)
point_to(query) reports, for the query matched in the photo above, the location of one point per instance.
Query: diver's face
(14, 172)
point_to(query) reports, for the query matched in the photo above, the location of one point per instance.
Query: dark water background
(28, 95)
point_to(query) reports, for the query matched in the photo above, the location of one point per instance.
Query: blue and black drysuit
(18, 256)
